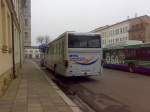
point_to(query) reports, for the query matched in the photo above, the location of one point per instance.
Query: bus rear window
(84, 41)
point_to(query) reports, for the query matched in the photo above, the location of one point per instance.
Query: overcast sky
(53, 17)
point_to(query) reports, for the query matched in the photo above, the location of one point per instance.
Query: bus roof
(130, 46)
(60, 36)
(73, 32)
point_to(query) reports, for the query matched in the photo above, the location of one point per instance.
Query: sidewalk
(32, 91)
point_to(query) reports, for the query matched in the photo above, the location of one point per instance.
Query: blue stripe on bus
(125, 67)
(87, 63)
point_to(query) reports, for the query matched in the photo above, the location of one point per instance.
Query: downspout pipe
(13, 48)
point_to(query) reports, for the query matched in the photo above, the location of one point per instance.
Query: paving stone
(63, 109)
(31, 92)
(35, 109)
(5, 109)
(51, 109)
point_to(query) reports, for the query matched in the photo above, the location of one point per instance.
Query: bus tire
(131, 67)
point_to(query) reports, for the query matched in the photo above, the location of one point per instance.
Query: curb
(69, 102)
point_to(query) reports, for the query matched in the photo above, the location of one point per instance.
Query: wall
(118, 33)
(7, 12)
(115, 33)
(147, 34)
(139, 28)
(132, 29)
(5, 47)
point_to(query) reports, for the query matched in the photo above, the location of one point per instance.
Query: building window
(126, 29)
(121, 30)
(108, 33)
(117, 40)
(113, 32)
(9, 36)
(0, 25)
(117, 31)
(26, 22)
(113, 40)
(3, 13)
(120, 39)
(26, 34)
(26, 5)
(103, 41)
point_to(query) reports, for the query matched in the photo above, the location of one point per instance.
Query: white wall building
(130, 31)
(32, 52)
(114, 34)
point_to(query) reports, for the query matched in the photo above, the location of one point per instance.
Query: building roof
(132, 19)
(100, 28)
(108, 26)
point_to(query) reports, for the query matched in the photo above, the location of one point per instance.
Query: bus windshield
(84, 41)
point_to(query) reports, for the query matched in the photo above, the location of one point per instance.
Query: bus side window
(62, 52)
(54, 48)
(60, 48)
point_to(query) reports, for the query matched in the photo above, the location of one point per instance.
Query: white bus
(75, 54)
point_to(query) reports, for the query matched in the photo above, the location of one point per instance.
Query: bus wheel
(131, 68)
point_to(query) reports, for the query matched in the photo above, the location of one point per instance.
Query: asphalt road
(113, 91)
(116, 91)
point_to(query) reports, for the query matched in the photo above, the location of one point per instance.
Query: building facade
(135, 29)
(11, 40)
(27, 23)
(139, 29)
(32, 52)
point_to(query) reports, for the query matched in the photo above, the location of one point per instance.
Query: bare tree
(40, 39)
(47, 39)
(43, 39)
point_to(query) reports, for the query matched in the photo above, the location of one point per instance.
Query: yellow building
(11, 39)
